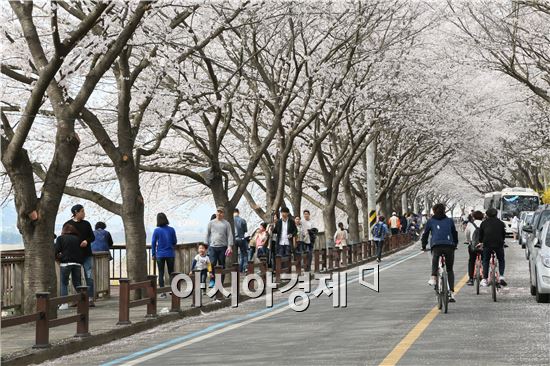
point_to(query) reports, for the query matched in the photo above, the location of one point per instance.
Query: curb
(69, 346)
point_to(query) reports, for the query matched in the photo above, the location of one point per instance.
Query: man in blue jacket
(443, 242)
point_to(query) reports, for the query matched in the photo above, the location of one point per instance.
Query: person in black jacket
(286, 232)
(492, 233)
(70, 257)
(86, 235)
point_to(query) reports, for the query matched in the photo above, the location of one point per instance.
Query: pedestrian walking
(379, 232)
(259, 238)
(272, 239)
(202, 263)
(286, 232)
(219, 238)
(394, 224)
(341, 236)
(310, 228)
(240, 241)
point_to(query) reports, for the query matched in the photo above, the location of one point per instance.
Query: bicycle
(442, 286)
(493, 278)
(478, 272)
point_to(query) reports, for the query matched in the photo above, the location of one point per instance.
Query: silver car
(539, 265)
(525, 218)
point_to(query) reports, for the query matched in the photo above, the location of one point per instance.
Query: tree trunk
(404, 203)
(39, 273)
(329, 219)
(296, 200)
(38, 232)
(352, 211)
(134, 224)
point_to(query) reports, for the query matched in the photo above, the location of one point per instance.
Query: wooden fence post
(298, 261)
(176, 301)
(42, 339)
(124, 302)
(152, 295)
(316, 260)
(82, 308)
(278, 268)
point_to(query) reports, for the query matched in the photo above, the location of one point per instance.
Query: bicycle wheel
(438, 293)
(445, 292)
(493, 285)
(477, 280)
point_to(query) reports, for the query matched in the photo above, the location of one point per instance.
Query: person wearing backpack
(444, 241)
(472, 238)
(379, 232)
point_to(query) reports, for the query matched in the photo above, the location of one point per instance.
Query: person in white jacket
(472, 251)
(515, 227)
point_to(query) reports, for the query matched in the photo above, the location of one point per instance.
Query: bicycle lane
(513, 331)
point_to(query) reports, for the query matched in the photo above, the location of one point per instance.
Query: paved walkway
(394, 324)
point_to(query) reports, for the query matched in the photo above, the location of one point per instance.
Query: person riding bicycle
(444, 241)
(472, 237)
(491, 236)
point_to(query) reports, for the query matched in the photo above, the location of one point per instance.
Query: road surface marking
(219, 328)
(402, 347)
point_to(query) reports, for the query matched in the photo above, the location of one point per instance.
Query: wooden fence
(110, 267)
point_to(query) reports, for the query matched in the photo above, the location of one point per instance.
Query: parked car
(539, 265)
(525, 218)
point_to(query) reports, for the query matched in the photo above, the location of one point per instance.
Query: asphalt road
(398, 324)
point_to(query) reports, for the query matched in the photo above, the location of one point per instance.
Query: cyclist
(472, 237)
(444, 240)
(491, 234)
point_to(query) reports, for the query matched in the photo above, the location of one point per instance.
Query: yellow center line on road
(399, 351)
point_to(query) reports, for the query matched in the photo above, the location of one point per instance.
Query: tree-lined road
(371, 330)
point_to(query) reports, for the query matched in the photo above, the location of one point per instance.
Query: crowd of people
(285, 235)
(74, 251)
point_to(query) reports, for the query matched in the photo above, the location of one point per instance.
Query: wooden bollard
(344, 257)
(250, 271)
(263, 268)
(124, 302)
(250, 267)
(175, 306)
(330, 259)
(278, 268)
(82, 308)
(298, 261)
(42, 339)
(152, 295)
(316, 260)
